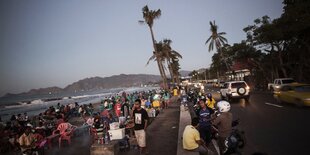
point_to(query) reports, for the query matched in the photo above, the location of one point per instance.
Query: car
(221, 84)
(278, 83)
(298, 94)
(235, 89)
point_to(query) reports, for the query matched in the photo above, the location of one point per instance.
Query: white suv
(235, 89)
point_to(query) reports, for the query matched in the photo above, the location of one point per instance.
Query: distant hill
(96, 83)
(184, 73)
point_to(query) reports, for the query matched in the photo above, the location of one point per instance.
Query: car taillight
(247, 87)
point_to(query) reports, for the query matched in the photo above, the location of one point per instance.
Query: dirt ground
(162, 137)
(162, 134)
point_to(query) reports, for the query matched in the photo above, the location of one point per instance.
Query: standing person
(175, 91)
(223, 122)
(90, 108)
(210, 101)
(125, 109)
(166, 99)
(140, 117)
(98, 127)
(117, 108)
(191, 138)
(175, 94)
(58, 107)
(204, 115)
(26, 117)
(81, 111)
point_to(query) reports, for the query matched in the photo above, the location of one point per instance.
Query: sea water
(34, 105)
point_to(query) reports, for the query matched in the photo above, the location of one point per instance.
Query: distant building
(239, 71)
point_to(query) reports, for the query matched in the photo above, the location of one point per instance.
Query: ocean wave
(39, 101)
(23, 104)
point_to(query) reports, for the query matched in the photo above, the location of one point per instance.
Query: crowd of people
(26, 134)
(131, 111)
(210, 116)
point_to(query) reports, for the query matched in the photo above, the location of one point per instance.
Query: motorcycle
(235, 141)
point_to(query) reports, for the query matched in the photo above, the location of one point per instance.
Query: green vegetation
(273, 48)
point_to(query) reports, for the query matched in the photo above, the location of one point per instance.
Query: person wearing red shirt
(117, 109)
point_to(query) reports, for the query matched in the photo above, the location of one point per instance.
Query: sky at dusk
(57, 42)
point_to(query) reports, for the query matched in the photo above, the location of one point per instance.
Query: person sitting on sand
(27, 141)
(59, 120)
(90, 120)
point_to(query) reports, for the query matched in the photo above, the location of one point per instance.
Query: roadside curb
(185, 119)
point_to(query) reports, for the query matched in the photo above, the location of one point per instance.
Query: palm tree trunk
(162, 69)
(159, 62)
(223, 59)
(170, 71)
(178, 79)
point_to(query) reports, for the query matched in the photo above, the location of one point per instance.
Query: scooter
(235, 141)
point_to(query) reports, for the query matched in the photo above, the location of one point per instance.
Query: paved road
(271, 128)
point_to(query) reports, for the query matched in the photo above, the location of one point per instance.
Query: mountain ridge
(95, 83)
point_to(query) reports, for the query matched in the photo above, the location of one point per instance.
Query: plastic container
(117, 134)
(114, 125)
(122, 120)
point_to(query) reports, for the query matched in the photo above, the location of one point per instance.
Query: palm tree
(165, 54)
(149, 16)
(171, 56)
(193, 74)
(175, 67)
(216, 39)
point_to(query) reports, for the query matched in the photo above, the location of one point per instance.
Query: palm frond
(221, 33)
(177, 54)
(145, 9)
(157, 14)
(208, 39)
(151, 58)
(142, 22)
(223, 40)
(211, 45)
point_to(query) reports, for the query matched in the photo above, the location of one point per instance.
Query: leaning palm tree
(170, 55)
(216, 39)
(149, 16)
(165, 54)
(175, 67)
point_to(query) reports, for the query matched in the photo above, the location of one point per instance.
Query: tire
(299, 103)
(279, 101)
(241, 91)
(247, 99)
(242, 139)
(272, 90)
(228, 98)
(222, 97)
